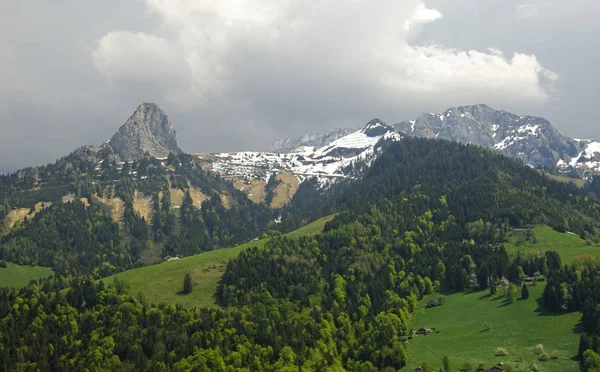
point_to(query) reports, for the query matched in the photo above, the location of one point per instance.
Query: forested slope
(186, 210)
(476, 182)
(428, 216)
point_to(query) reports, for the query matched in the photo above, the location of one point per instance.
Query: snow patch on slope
(529, 129)
(327, 163)
(588, 158)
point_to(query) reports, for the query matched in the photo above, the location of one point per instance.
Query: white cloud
(422, 15)
(136, 56)
(434, 68)
(537, 8)
(264, 51)
(527, 10)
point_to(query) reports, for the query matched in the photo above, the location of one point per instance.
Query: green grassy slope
(518, 327)
(19, 276)
(580, 182)
(162, 282)
(567, 245)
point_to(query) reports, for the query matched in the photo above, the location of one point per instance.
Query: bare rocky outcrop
(148, 130)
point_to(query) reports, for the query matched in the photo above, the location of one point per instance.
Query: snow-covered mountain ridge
(327, 163)
(531, 139)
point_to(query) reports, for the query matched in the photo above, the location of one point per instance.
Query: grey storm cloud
(235, 75)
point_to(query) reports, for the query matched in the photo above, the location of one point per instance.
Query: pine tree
(524, 292)
(584, 344)
(187, 284)
(446, 364)
(551, 300)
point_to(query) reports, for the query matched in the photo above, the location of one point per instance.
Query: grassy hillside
(17, 276)
(580, 182)
(567, 245)
(518, 327)
(163, 282)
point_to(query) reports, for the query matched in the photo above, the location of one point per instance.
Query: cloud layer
(265, 51)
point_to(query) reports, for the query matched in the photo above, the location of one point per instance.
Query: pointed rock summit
(376, 128)
(147, 130)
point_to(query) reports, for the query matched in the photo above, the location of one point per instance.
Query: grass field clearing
(567, 245)
(579, 182)
(163, 282)
(517, 327)
(18, 276)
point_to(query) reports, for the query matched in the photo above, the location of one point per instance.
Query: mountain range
(529, 138)
(328, 157)
(533, 140)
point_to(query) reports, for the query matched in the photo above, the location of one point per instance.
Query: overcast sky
(238, 74)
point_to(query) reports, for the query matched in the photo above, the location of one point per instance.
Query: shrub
(508, 367)
(512, 292)
(467, 365)
(520, 357)
(487, 325)
(533, 367)
(481, 367)
(3, 264)
(555, 354)
(538, 349)
(544, 357)
(500, 351)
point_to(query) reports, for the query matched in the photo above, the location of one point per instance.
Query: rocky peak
(376, 128)
(532, 139)
(147, 130)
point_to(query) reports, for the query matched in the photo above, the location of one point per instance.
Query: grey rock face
(147, 130)
(316, 140)
(532, 139)
(376, 128)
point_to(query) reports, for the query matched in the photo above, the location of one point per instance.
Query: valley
(337, 248)
(299, 186)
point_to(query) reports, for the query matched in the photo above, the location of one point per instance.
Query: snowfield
(328, 163)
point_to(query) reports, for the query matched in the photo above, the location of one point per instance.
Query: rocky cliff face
(532, 139)
(147, 130)
(312, 140)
